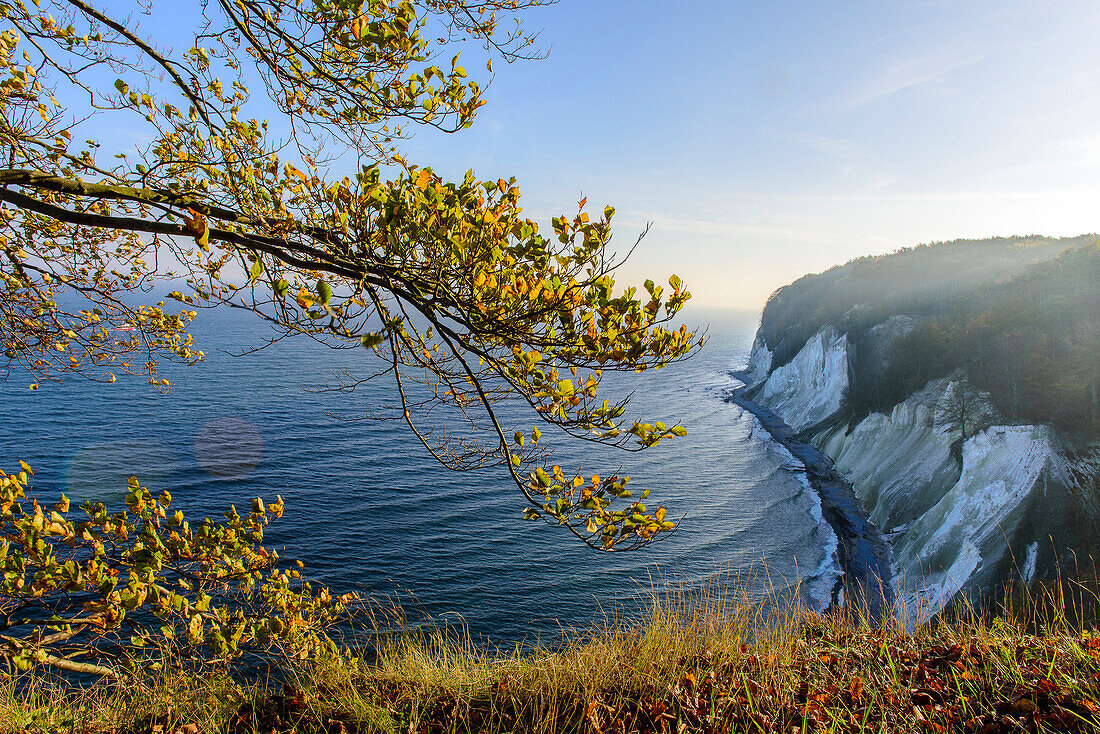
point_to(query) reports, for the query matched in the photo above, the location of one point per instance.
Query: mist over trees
(1019, 317)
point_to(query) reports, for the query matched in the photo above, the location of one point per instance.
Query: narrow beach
(863, 552)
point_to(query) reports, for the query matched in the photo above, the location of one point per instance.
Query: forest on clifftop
(1018, 315)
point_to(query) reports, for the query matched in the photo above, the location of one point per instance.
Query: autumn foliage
(104, 591)
(273, 181)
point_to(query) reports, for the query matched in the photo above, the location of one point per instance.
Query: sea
(370, 511)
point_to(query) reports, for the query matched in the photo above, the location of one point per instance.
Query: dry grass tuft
(703, 661)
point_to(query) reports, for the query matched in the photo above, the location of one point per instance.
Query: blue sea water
(369, 510)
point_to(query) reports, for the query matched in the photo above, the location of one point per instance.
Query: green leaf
(324, 292)
(372, 339)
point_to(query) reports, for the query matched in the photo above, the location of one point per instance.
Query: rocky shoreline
(866, 580)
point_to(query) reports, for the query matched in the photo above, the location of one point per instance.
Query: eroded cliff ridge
(971, 490)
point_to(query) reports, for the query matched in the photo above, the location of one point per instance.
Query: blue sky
(767, 140)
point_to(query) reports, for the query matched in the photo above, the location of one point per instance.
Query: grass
(704, 661)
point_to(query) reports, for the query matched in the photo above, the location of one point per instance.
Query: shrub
(102, 593)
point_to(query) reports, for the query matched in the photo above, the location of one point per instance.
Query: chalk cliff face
(1014, 494)
(963, 520)
(760, 362)
(886, 457)
(810, 387)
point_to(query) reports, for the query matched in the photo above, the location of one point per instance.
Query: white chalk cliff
(963, 520)
(810, 387)
(1011, 488)
(760, 362)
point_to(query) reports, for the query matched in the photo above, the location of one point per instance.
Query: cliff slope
(979, 473)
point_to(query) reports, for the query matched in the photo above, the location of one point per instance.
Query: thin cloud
(1082, 151)
(785, 228)
(1038, 194)
(849, 154)
(902, 74)
(852, 159)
